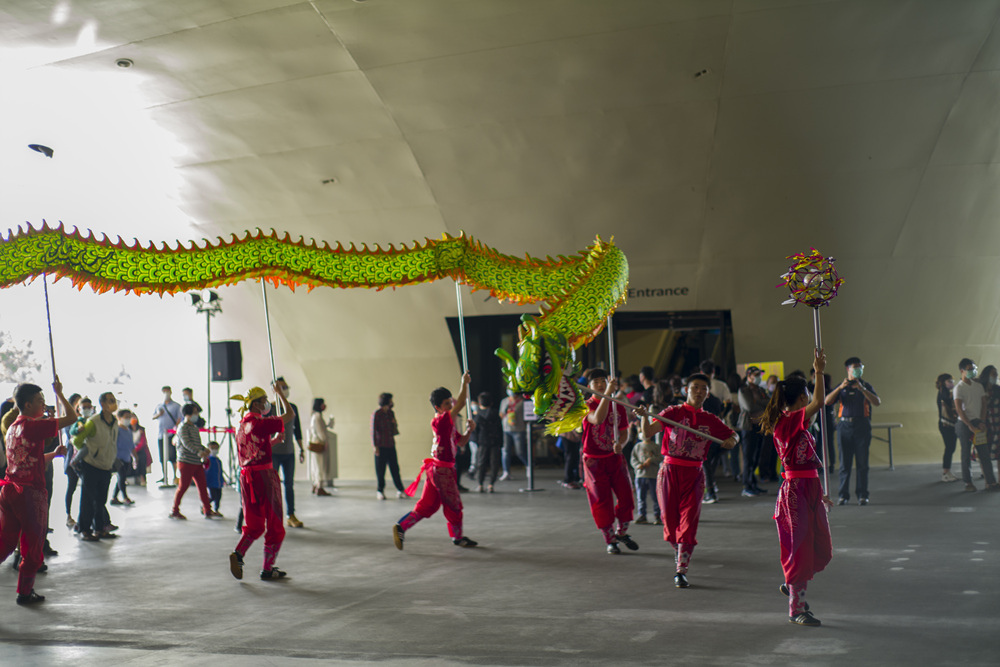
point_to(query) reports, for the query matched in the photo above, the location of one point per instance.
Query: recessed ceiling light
(124, 63)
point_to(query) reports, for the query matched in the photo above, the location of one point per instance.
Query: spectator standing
(570, 445)
(123, 460)
(489, 436)
(83, 410)
(830, 455)
(991, 411)
(646, 460)
(947, 418)
(514, 431)
(283, 454)
(168, 417)
(384, 432)
(854, 428)
(319, 447)
(100, 436)
(647, 381)
(142, 456)
(753, 400)
(187, 396)
(970, 404)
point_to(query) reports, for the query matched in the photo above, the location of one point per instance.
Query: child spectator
(489, 436)
(605, 476)
(646, 459)
(190, 458)
(803, 527)
(142, 456)
(124, 461)
(441, 487)
(213, 475)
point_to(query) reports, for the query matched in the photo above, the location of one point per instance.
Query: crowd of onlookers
(969, 414)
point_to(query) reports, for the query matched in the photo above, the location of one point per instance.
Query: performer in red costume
(441, 486)
(260, 490)
(605, 430)
(24, 513)
(803, 527)
(680, 483)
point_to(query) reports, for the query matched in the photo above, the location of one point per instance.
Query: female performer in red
(803, 528)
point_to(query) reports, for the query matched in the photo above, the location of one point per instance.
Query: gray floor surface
(914, 580)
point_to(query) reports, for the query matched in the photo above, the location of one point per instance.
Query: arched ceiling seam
(937, 138)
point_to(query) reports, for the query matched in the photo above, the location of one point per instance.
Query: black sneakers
(397, 536)
(681, 580)
(613, 549)
(30, 598)
(805, 618)
(628, 542)
(465, 542)
(236, 565)
(273, 574)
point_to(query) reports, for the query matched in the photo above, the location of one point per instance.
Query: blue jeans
(855, 438)
(286, 463)
(644, 485)
(516, 443)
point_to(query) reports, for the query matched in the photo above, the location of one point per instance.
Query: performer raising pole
(801, 509)
(260, 491)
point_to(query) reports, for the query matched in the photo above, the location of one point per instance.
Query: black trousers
(750, 442)
(216, 495)
(286, 463)
(94, 498)
(710, 466)
(387, 457)
(489, 458)
(72, 479)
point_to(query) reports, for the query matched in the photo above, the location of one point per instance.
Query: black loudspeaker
(227, 361)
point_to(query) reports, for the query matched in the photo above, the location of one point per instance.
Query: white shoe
(948, 477)
(504, 477)
(400, 494)
(380, 495)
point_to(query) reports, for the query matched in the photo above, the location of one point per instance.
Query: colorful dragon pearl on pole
(811, 280)
(576, 294)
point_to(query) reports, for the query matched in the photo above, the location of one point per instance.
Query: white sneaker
(948, 477)
(504, 477)
(400, 494)
(380, 495)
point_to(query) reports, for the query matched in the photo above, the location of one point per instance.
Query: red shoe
(176, 514)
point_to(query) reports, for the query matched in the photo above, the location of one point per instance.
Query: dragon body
(576, 294)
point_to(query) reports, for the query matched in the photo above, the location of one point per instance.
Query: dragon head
(545, 368)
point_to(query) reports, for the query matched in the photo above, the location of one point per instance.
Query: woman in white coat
(322, 448)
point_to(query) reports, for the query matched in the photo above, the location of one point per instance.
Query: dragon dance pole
(48, 319)
(669, 422)
(824, 436)
(267, 323)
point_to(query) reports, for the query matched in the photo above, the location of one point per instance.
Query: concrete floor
(913, 581)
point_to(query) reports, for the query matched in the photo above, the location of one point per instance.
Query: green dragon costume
(576, 294)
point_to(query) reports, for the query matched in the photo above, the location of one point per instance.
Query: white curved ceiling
(710, 138)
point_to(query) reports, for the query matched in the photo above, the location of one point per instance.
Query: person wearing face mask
(970, 404)
(856, 399)
(991, 414)
(187, 398)
(100, 437)
(168, 416)
(947, 416)
(753, 399)
(283, 453)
